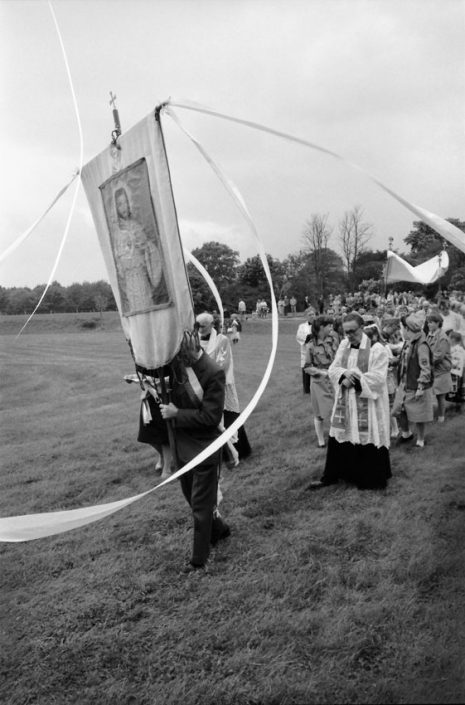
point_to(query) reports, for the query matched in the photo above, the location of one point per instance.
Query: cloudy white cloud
(380, 82)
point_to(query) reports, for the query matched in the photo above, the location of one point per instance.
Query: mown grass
(337, 596)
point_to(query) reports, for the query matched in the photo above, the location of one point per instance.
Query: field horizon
(335, 596)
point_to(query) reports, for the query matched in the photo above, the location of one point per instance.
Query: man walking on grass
(196, 408)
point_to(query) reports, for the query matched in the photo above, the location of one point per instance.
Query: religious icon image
(135, 240)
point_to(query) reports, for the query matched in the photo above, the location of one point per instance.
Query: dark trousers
(242, 446)
(306, 381)
(199, 487)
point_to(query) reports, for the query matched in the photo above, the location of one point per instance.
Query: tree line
(315, 271)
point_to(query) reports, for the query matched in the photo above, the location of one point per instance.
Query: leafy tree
(424, 243)
(305, 276)
(202, 296)
(54, 300)
(21, 300)
(251, 274)
(219, 260)
(74, 297)
(4, 300)
(369, 266)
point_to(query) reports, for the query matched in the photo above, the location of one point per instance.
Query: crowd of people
(376, 369)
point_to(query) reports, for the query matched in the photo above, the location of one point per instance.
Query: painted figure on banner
(135, 241)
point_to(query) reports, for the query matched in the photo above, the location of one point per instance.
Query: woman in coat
(320, 354)
(414, 397)
(442, 361)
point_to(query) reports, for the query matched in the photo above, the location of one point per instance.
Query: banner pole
(169, 422)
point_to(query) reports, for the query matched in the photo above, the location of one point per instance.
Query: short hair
(354, 316)
(371, 329)
(454, 335)
(320, 322)
(434, 317)
(190, 347)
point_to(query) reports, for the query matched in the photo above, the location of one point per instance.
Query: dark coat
(196, 424)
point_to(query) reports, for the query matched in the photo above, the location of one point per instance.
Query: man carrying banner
(196, 408)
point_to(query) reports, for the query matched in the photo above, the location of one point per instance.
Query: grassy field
(336, 596)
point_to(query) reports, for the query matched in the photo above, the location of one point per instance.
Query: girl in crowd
(320, 354)
(440, 347)
(414, 396)
(374, 334)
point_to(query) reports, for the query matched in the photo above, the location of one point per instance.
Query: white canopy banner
(397, 269)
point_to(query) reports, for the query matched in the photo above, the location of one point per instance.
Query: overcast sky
(380, 82)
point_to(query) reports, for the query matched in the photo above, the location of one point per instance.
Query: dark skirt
(365, 466)
(155, 432)
(242, 446)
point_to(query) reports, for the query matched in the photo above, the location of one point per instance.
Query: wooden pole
(169, 422)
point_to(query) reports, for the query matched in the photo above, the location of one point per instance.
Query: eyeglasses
(351, 331)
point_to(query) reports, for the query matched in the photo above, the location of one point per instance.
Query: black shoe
(193, 568)
(224, 534)
(316, 485)
(405, 440)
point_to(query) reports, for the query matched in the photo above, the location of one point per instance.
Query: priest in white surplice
(358, 448)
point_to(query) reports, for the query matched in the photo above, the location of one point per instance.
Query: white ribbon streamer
(78, 184)
(34, 526)
(21, 238)
(200, 268)
(449, 231)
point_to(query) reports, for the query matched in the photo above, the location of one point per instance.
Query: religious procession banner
(397, 269)
(128, 187)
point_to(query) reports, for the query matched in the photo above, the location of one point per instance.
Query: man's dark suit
(196, 426)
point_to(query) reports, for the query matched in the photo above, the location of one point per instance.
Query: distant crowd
(375, 368)
(424, 340)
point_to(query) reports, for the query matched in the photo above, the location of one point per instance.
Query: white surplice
(374, 389)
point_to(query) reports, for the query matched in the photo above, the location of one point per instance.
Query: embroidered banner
(131, 200)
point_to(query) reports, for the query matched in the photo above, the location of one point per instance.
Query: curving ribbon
(21, 238)
(35, 526)
(78, 184)
(449, 231)
(200, 268)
